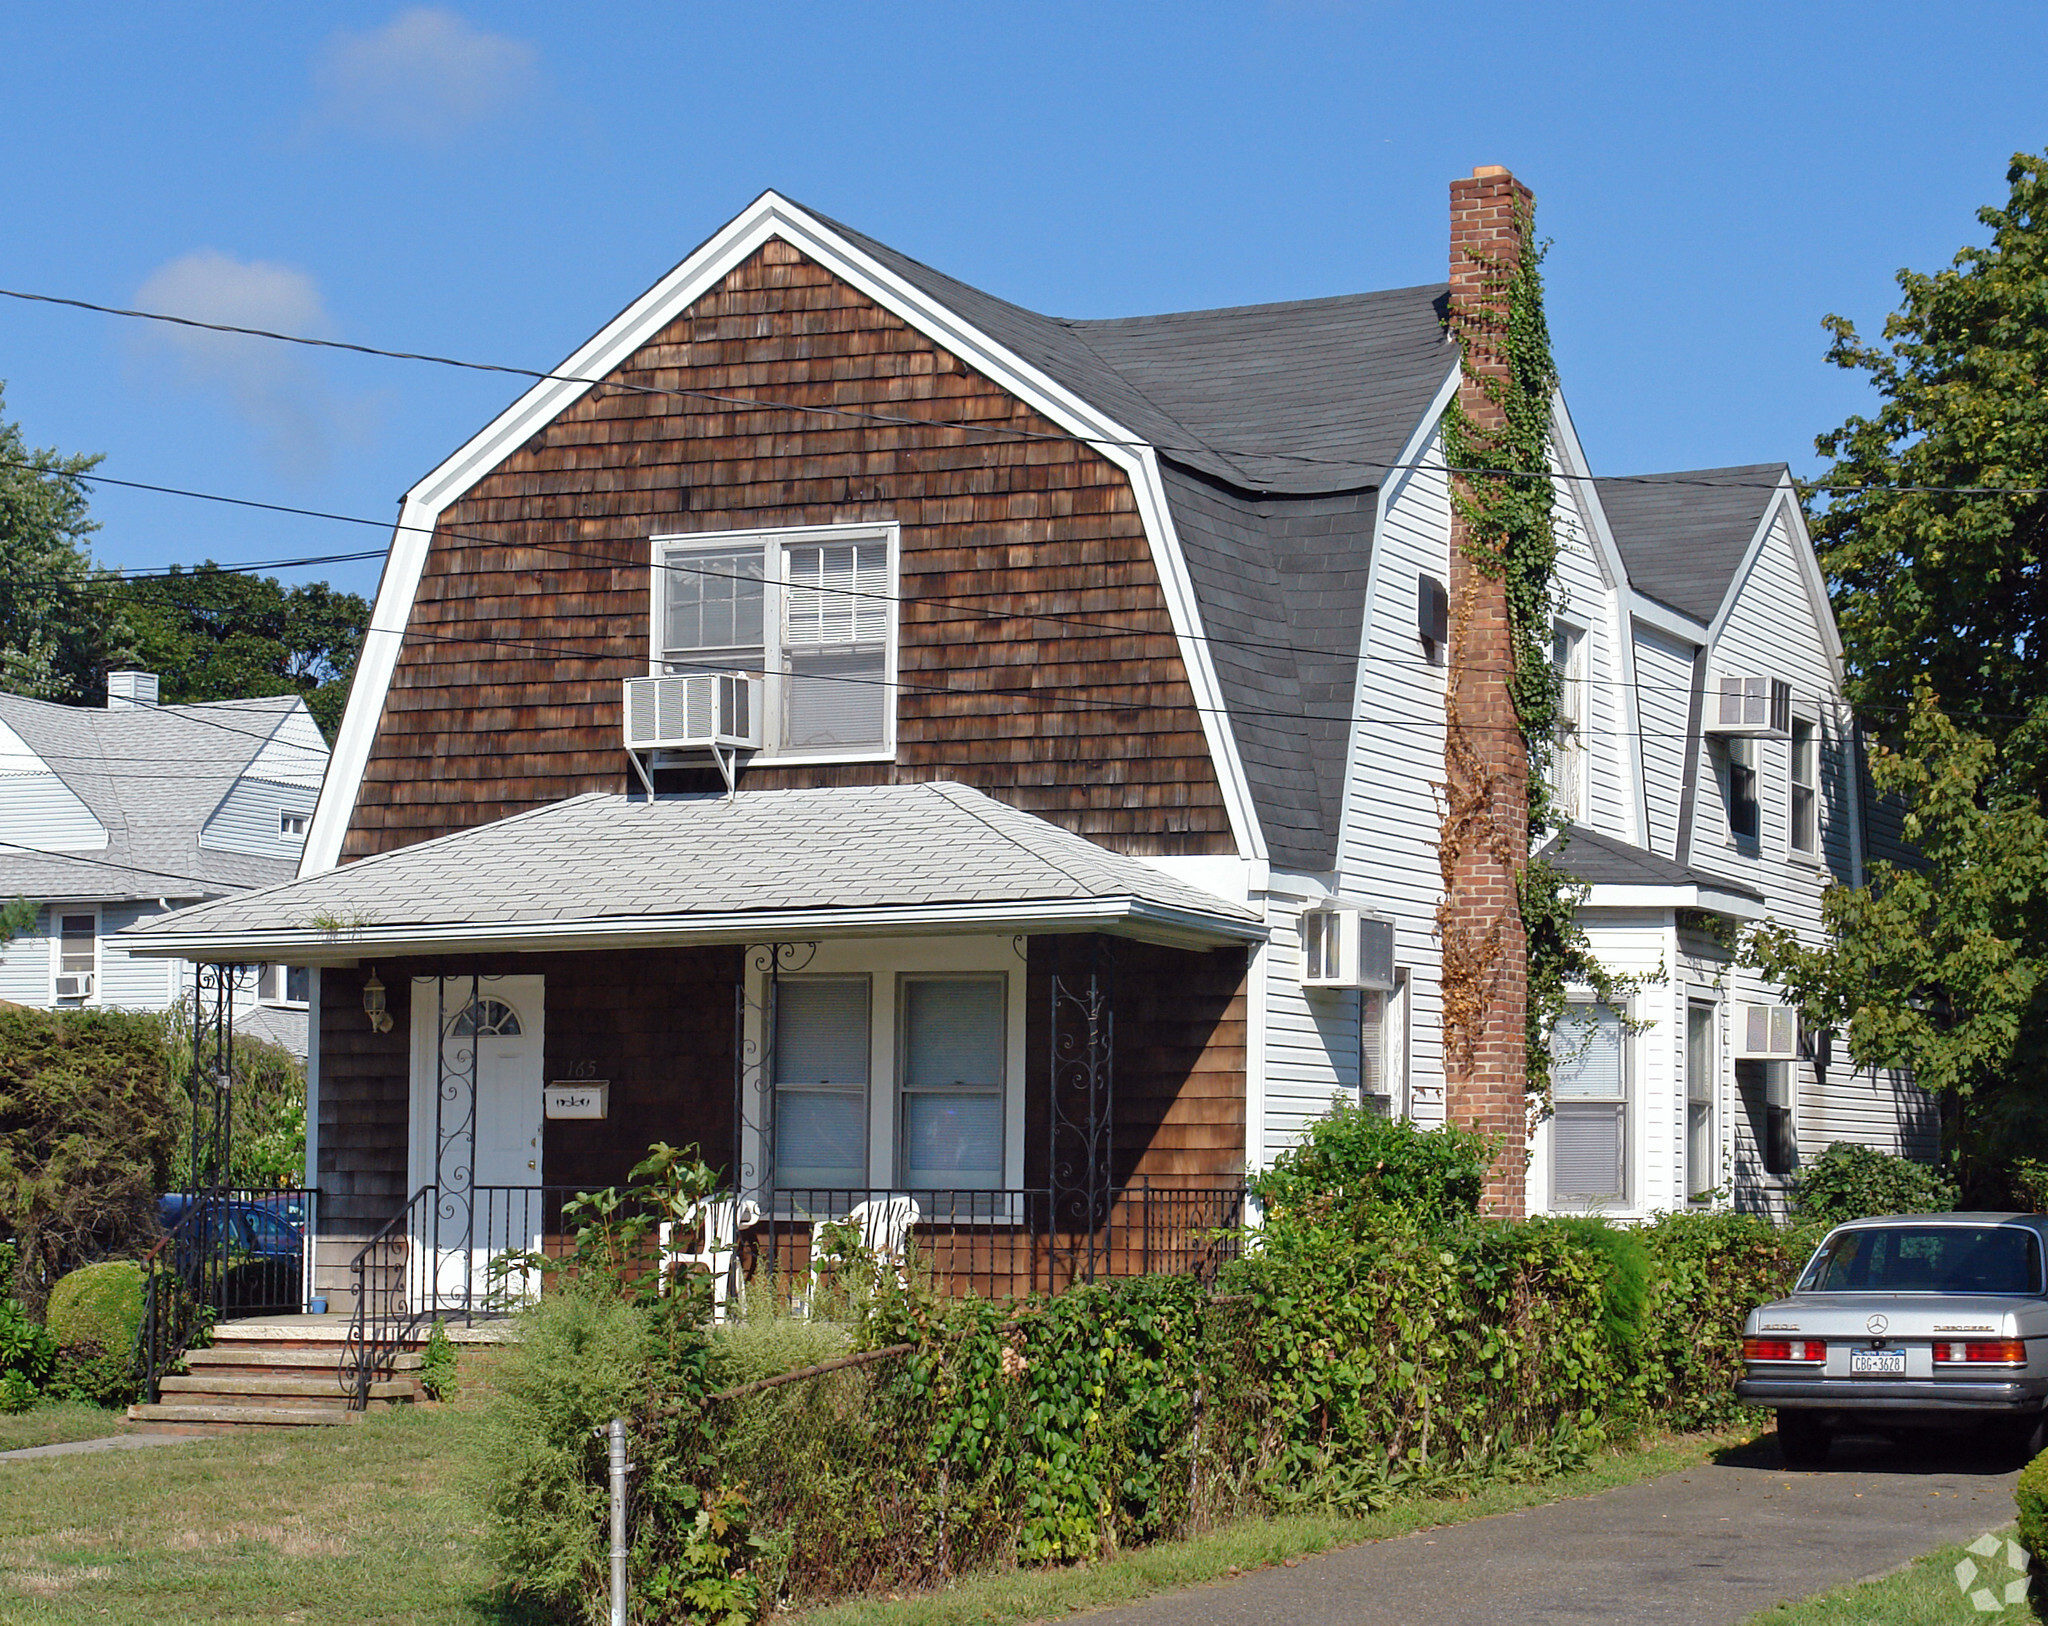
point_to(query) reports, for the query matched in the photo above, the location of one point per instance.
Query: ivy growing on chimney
(1506, 496)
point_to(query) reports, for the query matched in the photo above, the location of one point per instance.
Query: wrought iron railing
(228, 1254)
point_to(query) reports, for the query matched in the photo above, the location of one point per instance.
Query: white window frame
(281, 1000)
(775, 545)
(1793, 851)
(1694, 1184)
(1625, 1201)
(286, 817)
(1393, 1044)
(1571, 760)
(1728, 750)
(57, 913)
(889, 962)
(867, 1088)
(900, 1086)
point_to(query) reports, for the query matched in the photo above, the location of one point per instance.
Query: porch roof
(610, 871)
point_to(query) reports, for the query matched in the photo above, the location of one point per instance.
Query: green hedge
(2031, 1493)
(101, 1304)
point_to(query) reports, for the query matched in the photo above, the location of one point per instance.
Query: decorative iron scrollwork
(1083, 1102)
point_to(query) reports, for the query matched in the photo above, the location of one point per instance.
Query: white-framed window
(1767, 1090)
(895, 1064)
(1589, 1090)
(1737, 772)
(1380, 1048)
(291, 826)
(289, 986)
(1803, 810)
(822, 1046)
(810, 613)
(1568, 738)
(74, 954)
(950, 1064)
(1702, 1148)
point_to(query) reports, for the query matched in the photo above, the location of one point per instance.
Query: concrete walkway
(106, 1442)
(1708, 1546)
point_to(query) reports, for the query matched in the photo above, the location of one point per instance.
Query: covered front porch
(1014, 1059)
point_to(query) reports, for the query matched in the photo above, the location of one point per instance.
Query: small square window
(291, 826)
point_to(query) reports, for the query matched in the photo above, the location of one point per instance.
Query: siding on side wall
(1088, 721)
(1588, 602)
(246, 820)
(25, 965)
(40, 810)
(1663, 701)
(1311, 1037)
(1391, 821)
(131, 983)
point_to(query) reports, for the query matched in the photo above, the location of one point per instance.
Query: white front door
(476, 1135)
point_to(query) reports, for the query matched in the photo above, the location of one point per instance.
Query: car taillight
(1784, 1349)
(2005, 1352)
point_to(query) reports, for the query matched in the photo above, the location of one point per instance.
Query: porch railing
(462, 1256)
(229, 1254)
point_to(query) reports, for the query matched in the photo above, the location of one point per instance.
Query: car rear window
(1927, 1259)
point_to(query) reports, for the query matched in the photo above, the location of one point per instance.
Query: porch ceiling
(607, 871)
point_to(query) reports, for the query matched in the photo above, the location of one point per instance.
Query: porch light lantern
(373, 1004)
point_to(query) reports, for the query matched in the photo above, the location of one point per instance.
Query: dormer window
(810, 615)
(291, 826)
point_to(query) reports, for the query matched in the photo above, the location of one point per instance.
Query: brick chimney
(1486, 771)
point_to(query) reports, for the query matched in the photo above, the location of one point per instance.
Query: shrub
(1849, 1182)
(25, 1348)
(85, 1138)
(437, 1364)
(101, 1304)
(1355, 1162)
(17, 1394)
(1625, 1295)
(2031, 1493)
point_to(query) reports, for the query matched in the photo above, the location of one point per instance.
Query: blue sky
(495, 181)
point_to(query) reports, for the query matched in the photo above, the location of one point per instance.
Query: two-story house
(911, 746)
(114, 815)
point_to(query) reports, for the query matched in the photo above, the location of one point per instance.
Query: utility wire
(1002, 431)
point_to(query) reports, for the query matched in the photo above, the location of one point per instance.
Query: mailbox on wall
(584, 1098)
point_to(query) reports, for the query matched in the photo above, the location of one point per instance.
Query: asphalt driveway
(1704, 1547)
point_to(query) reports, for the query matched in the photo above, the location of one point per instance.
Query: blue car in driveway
(261, 1236)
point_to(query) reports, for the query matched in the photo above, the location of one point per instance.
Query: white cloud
(424, 76)
(298, 418)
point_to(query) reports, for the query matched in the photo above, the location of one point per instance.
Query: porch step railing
(229, 1254)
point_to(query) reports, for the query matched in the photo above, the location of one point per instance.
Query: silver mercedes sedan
(1912, 1321)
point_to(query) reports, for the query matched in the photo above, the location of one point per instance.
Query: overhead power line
(754, 403)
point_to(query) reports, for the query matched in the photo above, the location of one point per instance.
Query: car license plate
(1891, 1361)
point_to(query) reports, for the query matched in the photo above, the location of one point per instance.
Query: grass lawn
(55, 1421)
(1923, 1594)
(374, 1523)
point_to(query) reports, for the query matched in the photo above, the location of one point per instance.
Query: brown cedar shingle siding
(1099, 731)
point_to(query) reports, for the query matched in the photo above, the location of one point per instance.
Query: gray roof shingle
(709, 864)
(1682, 535)
(151, 775)
(1603, 860)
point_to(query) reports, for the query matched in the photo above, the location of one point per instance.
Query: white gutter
(1165, 924)
(1736, 905)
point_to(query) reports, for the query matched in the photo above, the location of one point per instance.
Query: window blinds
(1587, 1055)
(715, 600)
(952, 1082)
(821, 1077)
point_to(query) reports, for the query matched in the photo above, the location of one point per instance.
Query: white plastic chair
(883, 1225)
(717, 1226)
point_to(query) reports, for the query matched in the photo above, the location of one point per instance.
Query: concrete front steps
(282, 1374)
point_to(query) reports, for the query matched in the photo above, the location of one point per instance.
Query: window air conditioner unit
(1346, 948)
(1750, 708)
(74, 985)
(1766, 1033)
(693, 711)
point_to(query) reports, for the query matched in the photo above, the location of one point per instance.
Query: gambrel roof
(1256, 439)
(149, 776)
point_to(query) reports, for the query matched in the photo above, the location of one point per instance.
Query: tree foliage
(1933, 581)
(214, 634)
(56, 637)
(1941, 967)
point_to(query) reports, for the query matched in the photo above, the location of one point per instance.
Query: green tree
(214, 634)
(56, 639)
(1934, 581)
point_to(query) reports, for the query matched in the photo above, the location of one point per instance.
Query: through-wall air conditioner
(1346, 948)
(716, 712)
(1766, 1032)
(1749, 707)
(74, 985)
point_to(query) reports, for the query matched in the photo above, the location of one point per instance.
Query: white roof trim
(1125, 916)
(1785, 500)
(1660, 617)
(1737, 905)
(769, 216)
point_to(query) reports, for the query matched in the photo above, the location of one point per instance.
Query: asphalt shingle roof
(151, 775)
(1275, 425)
(1682, 535)
(681, 861)
(1602, 860)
